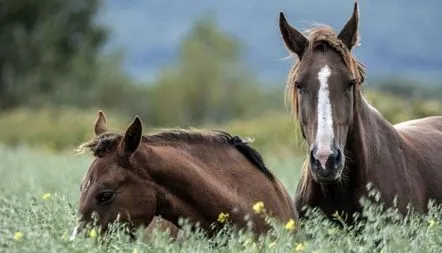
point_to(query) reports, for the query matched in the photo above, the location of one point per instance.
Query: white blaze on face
(324, 134)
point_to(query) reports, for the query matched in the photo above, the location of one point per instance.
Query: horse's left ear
(132, 137)
(349, 34)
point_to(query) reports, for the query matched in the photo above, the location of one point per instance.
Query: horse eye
(352, 83)
(105, 197)
(298, 86)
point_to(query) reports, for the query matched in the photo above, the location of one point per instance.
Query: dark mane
(213, 137)
(107, 143)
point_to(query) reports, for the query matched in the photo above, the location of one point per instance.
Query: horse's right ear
(132, 137)
(100, 123)
(294, 40)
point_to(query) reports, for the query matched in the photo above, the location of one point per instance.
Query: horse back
(423, 145)
(425, 135)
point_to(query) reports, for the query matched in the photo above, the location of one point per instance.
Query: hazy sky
(398, 36)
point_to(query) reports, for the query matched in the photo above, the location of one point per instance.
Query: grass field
(39, 198)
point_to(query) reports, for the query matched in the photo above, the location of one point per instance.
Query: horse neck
(182, 190)
(371, 138)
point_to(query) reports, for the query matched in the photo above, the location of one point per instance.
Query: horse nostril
(336, 158)
(313, 152)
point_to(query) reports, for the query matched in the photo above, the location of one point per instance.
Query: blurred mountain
(400, 38)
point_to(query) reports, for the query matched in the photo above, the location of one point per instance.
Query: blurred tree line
(48, 51)
(409, 89)
(209, 83)
(50, 55)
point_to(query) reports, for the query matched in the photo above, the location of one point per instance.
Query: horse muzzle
(326, 166)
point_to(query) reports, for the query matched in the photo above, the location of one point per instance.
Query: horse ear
(100, 123)
(294, 40)
(132, 137)
(349, 34)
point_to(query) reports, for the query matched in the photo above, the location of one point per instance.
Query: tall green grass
(39, 199)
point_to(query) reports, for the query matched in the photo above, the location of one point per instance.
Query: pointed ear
(349, 34)
(132, 137)
(100, 123)
(294, 40)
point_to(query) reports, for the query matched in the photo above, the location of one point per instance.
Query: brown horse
(350, 143)
(177, 173)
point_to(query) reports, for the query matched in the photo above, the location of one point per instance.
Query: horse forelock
(101, 144)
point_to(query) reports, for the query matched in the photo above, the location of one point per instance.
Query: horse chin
(330, 178)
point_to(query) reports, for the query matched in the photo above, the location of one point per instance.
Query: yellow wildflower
(431, 223)
(247, 242)
(290, 225)
(299, 247)
(331, 231)
(253, 245)
(18, 236)
(46, 196)
(93, 233)
(272, 244)
(64, 236)
(223, 217)
(258, 207)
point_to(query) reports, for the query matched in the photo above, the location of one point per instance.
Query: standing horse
(189, 174)
(350, 143)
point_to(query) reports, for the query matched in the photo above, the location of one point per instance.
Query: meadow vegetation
(39, 193)
(55, 76)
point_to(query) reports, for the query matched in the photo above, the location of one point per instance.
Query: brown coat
(357, 145)
(176, 173)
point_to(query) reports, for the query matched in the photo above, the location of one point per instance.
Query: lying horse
(350, 143)
(175, 174)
